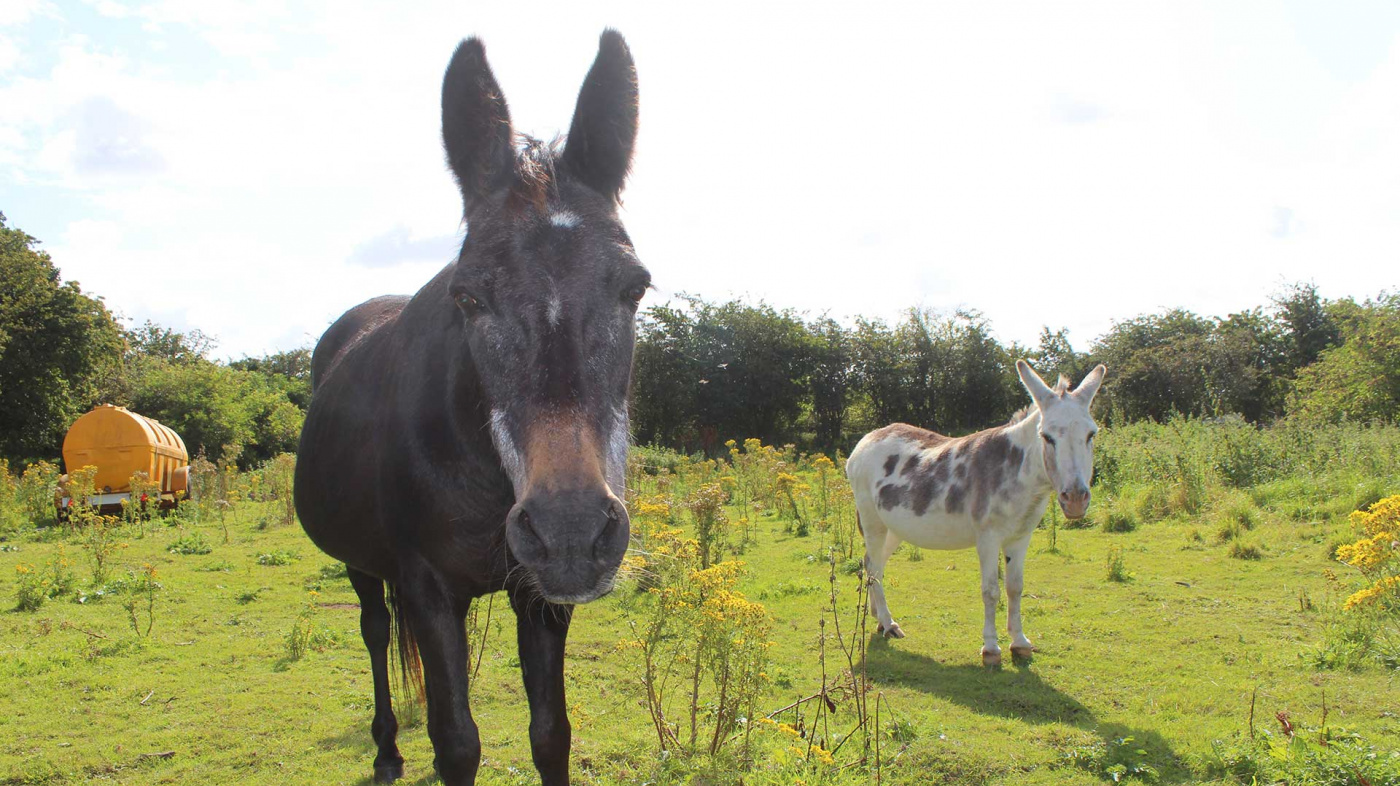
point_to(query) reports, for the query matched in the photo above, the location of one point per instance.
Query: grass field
(1221, 606)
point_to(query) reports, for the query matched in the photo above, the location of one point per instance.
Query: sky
(253, 169)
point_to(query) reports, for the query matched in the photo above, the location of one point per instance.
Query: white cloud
(9, 54)
(18, 12)
(1061, 166)
(110, 9)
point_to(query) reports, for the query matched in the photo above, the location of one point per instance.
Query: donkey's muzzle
(572, 542)
(1075, 502)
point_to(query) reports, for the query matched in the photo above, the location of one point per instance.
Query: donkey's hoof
(893, 631)
(388, 773)
(991, 659)
(1023, 653)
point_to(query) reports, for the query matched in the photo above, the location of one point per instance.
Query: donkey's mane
(536, 176)
(1021, 414)
(1061, 387)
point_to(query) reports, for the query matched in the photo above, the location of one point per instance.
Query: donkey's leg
(439, 625)
(1021, 646)
(988, 553)
(541, 629)
(877, 553)
(374, 628)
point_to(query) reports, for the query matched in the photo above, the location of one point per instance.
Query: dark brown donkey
(472, 438)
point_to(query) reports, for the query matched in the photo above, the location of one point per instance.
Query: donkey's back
(353, 327)
(941, 492)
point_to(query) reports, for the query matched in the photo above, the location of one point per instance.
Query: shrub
(1305, 756)
(1242, 512)
(31, 588)
(305, 635)
(704, 637)
(1354, 640)
(1249, 551)
(1150, 503)
(654, 460)
(35, 492)
(1117, 760)
(99, 540)
(278, 475)
(34, 585)
(193, 543)
(1117, 568)
(145, 497)
(12, 514)
(791, 498)
(1119, 520)
(706, 505)
(277, 558)
(141, 598)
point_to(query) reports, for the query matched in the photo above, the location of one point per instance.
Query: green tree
(830, 379)
(1181, 362)
(1310, 327)
(665, 378)
(1359, 379)
(1055, 356)
(708, 372)
(57, 348)
(939, 371)
(162, 343)
(217, 409)
(1251, 366)
(883, 372)
(288, 371)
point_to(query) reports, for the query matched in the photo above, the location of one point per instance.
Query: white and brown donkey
(987, 490)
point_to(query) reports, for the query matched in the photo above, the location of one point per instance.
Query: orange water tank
(120, 443)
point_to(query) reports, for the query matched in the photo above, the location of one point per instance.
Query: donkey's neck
(1025, 435)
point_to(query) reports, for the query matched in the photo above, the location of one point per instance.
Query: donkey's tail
(410, 667)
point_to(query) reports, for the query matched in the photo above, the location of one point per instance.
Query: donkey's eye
(1090, 438)
(1049, 440)
(636, 292)
(466, 301)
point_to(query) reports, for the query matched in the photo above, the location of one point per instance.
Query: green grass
(249, 677)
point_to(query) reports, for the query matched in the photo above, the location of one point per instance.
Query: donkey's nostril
(525, 526)
(604, 542)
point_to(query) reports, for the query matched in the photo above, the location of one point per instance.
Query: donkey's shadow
(1013, 692)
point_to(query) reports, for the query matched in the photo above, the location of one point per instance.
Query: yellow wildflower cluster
(1382, 587)
(661, 554)
(1368, 553)
(700, 625)
(812, 752)
(655, 507)
(1377, 553)
(788, 482)
(720, 603)
(663, 541)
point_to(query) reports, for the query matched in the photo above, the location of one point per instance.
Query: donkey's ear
(1090, 385)
(604, 129)
(475, 124)
(1036, 386)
